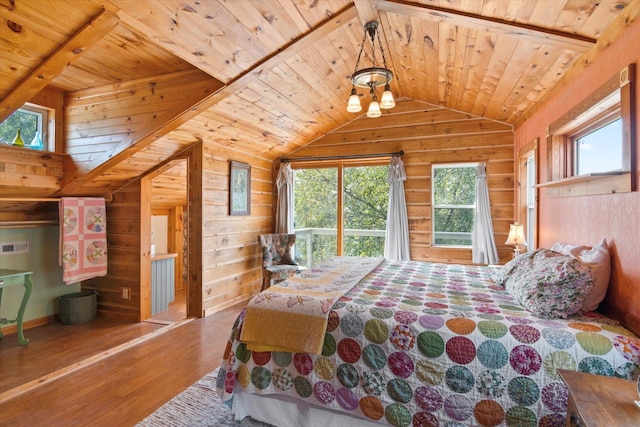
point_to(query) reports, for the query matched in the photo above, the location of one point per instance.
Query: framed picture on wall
(240, 189)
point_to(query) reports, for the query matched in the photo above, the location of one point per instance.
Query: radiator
(162, 284)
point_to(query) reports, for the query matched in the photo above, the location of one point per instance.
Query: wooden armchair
(277, 260)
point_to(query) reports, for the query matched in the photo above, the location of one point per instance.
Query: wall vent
(14, 248)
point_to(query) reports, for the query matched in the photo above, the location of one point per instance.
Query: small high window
(33, 122)
(591, 146)
(599, 147)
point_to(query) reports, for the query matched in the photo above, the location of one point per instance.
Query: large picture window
(454, 195)
(340, 209)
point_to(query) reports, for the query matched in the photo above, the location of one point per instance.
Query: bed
(427, 344)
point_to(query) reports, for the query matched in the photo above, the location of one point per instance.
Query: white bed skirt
(283, 411)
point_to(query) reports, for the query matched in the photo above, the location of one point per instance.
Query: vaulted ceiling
(277, 72)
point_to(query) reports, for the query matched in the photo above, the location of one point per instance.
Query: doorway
(169, 247)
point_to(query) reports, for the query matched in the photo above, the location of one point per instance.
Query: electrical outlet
(126, 293)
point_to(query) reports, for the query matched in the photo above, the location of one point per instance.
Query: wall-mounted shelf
(589, 184)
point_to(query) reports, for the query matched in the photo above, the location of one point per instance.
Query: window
(598, 148)
(340, 209)
(590, 148)
(454, 195)
(33, 122)
(527, 192)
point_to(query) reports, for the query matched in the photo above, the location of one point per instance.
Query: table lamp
(516, 238)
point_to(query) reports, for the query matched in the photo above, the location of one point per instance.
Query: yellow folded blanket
(292, 315)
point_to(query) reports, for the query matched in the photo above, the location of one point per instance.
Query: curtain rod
(352, 156)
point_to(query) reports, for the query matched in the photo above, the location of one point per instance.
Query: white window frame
(434, 206)
(593, 126)
(45, 124)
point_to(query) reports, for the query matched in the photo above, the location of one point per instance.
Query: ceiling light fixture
(371, 77)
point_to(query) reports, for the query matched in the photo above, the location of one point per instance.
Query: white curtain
(396, 242)
(284, 207)
(484, 243)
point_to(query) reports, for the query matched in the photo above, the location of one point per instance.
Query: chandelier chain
(364, 39)
(384, 60)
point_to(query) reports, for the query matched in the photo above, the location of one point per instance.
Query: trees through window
(454, 195)
(340, 209)
(32, 121)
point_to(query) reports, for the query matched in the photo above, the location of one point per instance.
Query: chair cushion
(276, 249)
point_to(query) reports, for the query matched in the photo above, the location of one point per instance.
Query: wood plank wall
(430, 135)
(231, 258)
(29, 173)
(124, 256)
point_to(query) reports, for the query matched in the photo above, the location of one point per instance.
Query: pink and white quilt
(83, 238)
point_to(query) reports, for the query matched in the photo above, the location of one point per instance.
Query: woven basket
(77, 308)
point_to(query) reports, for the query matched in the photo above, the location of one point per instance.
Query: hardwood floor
(106, 372)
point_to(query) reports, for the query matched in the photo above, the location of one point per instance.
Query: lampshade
(516, 235)
(374, 109)
(387, 100)
(371, 77)
(354, 102)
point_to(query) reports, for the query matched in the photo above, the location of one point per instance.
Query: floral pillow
(501, 275)
(599, 260)
(547, 283)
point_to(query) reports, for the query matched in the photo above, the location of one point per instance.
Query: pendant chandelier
(371, 77)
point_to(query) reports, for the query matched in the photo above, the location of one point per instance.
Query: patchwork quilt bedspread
(416, 343)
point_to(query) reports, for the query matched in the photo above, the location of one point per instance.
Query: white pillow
(599, 260)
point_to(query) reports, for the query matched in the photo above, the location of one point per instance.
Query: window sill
(589, 184)
(26, 147)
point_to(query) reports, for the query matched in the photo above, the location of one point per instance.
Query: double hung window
(453, 202)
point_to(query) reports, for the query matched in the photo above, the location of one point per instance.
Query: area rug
(197, 406)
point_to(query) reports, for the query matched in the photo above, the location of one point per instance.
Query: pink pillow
(599, 260)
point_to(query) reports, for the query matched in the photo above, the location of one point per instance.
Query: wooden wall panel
(124, 266)
(26, 173)
(433, 135)
(231, 258)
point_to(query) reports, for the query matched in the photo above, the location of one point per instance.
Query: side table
(597, 400)
(13, 278)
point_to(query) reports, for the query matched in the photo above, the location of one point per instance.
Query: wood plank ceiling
(277, 72)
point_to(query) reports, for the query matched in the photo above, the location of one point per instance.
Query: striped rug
(197, 406)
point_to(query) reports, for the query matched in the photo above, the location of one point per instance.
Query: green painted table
(13, 278)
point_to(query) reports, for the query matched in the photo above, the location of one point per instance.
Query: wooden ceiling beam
(91, 33)
(573, 42)
(366, 11)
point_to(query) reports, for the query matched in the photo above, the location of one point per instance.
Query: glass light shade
(374, 110)
(516, 235)
(354, 102)
(387, 100)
